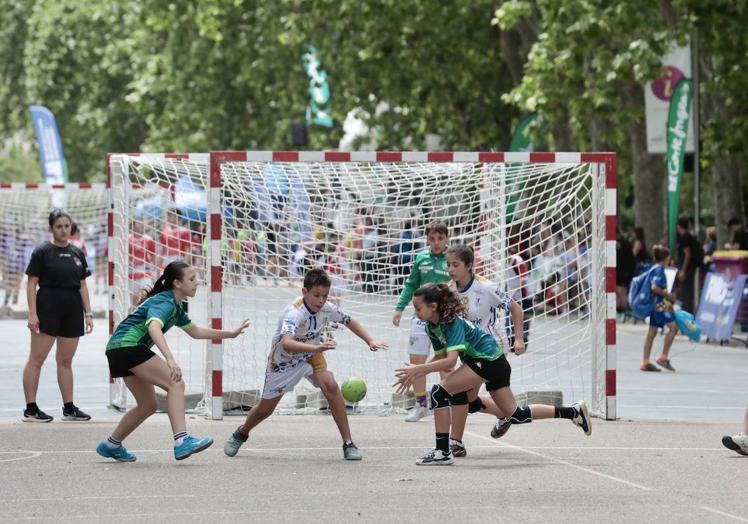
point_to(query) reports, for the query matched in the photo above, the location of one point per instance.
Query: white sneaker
(582, 418)
(417, 413)
(738, 443)
(435, 457)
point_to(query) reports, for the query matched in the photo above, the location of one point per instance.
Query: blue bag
(641, 299)
(687, 325)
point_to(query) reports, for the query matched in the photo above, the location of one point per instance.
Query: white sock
(112, 443)
(179, 438)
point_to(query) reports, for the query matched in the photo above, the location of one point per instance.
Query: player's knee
(64, 362)
(460, 399)
(476, 405)
(176, 386)
(149, 407)
(327, 384)
(439, 397)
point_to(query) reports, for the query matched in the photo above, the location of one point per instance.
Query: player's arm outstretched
(208, 333)
(439, 362)
(292, 345)
(359, 330)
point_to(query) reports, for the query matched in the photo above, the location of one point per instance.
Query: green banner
(520, 139)
(520, 142)
(677, 130)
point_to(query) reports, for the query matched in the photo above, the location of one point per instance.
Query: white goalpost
(541, 224)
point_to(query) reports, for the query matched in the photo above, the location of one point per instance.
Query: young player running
(430, 267)
(440, 307)
(482, 298)
(297, 352)
(130, 356)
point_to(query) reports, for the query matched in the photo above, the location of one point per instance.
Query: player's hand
(89, 324)
(33, 324)
(241, 329)
(175, 372)
(326, 346)
(405, 377)
(519, 346)
(396, 316)
(376, 345)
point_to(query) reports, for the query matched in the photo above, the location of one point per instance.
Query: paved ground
(292, 470)
(662, 461)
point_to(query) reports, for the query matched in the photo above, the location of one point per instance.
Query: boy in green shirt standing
(430, 267)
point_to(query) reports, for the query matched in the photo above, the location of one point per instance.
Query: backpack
(641, 299)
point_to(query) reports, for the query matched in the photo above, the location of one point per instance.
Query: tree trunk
(649, 186)
(728, 195)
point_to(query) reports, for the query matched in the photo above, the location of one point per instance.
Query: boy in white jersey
(481, 299)
(297, 352)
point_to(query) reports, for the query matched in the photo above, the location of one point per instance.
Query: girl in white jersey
(482, 298)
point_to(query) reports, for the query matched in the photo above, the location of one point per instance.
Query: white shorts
(419, 342)
(278, 383)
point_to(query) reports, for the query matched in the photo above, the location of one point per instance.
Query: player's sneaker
(417, 413)
(235, 441)
(36, 416)
(191, 445)
(436, 457)
(738, 443)
(75, 414)
(351, 452)
(582, 418)
(500, 428)
(457, 448)
(119, 453)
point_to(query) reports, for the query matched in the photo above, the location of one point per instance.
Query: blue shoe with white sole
(191, 445)
(120, 454)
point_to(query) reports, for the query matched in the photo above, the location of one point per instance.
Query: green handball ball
(354, 389)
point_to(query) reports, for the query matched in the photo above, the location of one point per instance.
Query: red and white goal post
(267, 216)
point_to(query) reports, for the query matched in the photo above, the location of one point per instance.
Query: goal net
(539, 223)
(24, 212)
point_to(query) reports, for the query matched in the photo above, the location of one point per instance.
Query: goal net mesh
(537, 229)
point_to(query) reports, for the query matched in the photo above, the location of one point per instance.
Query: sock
(421, 399)
(455, 440)
(521, 415)
(68, 406)
(442, 442)
(112, 443)
(238, 435)
(31, 407)
(179, 438)
(569, 413)
(348, 443)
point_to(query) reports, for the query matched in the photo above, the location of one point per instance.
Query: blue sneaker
(120, 454)
(191, 445)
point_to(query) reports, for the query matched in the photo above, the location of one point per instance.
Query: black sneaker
(75, 414)
(36, 416)
(500, 428)
(457, 448)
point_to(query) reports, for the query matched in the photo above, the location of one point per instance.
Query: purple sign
(720, 298)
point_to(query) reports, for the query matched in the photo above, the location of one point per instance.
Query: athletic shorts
(495, 372)
(122, 360)
(419, 342)
(282, 380)
(661, 318)
(60, 312)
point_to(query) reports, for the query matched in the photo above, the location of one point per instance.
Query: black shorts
(60, 312)
(122, 360)
(496, 372)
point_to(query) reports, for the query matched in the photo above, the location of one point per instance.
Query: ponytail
(448, 302)
(173, 271)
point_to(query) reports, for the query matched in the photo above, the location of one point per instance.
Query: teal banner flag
(677, 131)
(521, 141)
